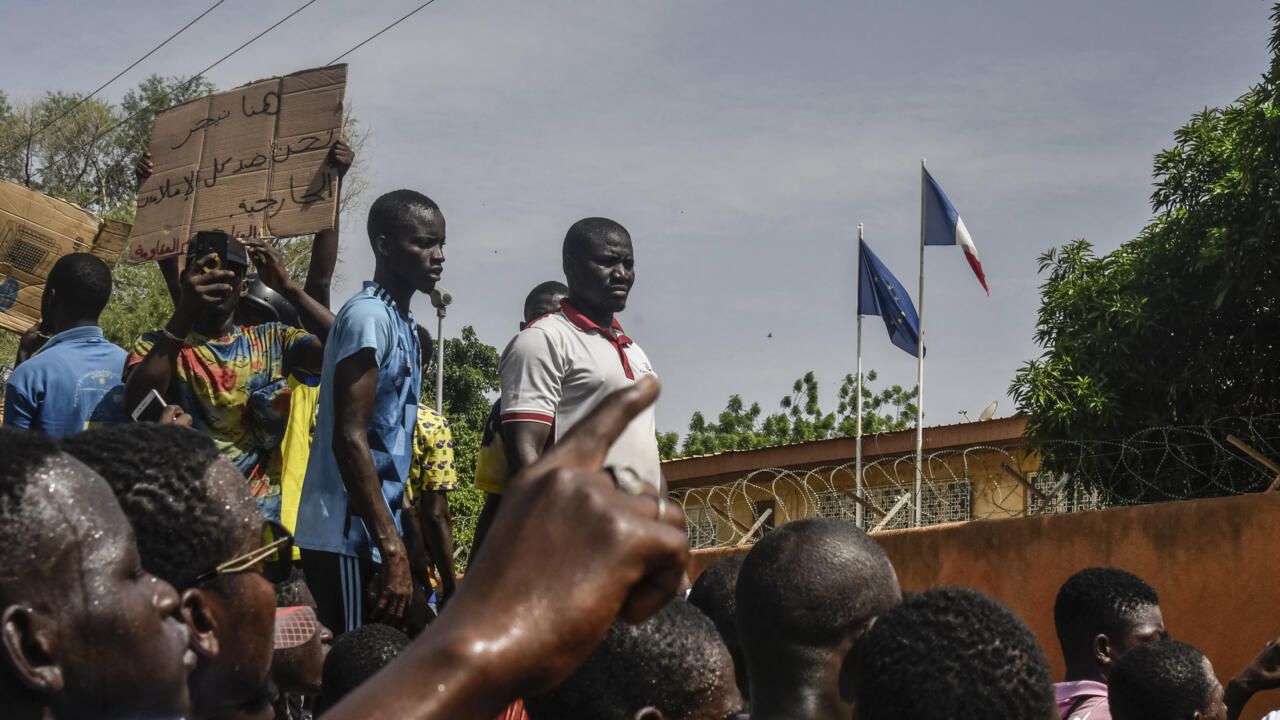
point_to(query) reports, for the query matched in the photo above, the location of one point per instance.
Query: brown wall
(1214, 563)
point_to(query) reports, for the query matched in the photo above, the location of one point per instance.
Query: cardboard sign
(36, 230)
(250, 156)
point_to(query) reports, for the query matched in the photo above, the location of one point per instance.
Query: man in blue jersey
(349, 513)
(74, 379)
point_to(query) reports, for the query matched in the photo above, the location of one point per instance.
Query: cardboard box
(252, 156)
(36, 230)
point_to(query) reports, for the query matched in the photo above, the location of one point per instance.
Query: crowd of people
(244, 515)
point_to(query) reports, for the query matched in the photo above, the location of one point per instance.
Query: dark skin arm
(525, 442)
(316, 318)
(490, 511)
(30, 343)
(437, 531)
(355, 383)
(324, 251)
(557, 588)
(419, 559)
(1261, 674)
(199, 289)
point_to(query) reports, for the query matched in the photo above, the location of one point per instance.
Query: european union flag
(880, 293)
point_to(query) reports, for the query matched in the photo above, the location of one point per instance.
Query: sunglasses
(275, 555)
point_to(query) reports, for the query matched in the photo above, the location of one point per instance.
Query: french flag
(943, 226)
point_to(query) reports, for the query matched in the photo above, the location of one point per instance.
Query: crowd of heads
(140, 578)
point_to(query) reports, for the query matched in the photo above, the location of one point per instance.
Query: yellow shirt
(432, 468)
(295, 450)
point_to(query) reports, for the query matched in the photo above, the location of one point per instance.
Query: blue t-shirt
(73, 381)
(370, 320)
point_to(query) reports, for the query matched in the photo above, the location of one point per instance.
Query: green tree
(800, 419)
(1178, 325)
(470, 386)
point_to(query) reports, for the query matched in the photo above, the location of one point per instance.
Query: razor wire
(1159, 463)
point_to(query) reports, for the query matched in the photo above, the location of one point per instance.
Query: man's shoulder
(360, 313)
(363, 301)
(551, 323)
(146, 339)
(545, 334)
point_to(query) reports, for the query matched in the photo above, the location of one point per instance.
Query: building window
(945, 502)
(836, 504)
(1067, 499)
(942, 502)
(702, 529)
(886, 498)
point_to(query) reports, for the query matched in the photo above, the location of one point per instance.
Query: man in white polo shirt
(561, 365)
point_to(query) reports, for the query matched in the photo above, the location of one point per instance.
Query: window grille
(944, 502)
(702, 529)
(1071, 498)
(836, 504)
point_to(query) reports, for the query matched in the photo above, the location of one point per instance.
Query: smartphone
(150, 408)
(231, 255)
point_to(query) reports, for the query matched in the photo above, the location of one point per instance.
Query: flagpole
(920, 359)
(857, 465)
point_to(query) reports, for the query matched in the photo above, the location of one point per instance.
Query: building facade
(971, 471)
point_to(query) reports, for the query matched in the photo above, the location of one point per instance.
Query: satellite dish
(989, 411)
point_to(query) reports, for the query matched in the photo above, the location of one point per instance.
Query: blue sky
(740, 141)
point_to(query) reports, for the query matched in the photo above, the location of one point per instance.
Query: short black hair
(391, 208)
(809, 586)
(539, 294)
(713, 594)
(662, 662)
(1098, 600)
(1162, 680)
(586, 231)
(951, 653)
(357, 656)
(81, 283)
(24, 453)
(157, 472)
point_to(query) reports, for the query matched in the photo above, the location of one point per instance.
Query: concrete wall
(1215, 564)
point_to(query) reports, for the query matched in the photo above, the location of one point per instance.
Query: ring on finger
(662, 507)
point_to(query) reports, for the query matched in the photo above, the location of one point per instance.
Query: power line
(364, 42)
(184, 86)
(99, 89)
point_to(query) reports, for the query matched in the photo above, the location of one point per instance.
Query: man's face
(1147, 625)
(301, 669)
(414, 248)
(602, 274)
(245, 604)
(726, 701)
(542, 305)
(112, 609)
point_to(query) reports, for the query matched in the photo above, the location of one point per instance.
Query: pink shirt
(1095, 707)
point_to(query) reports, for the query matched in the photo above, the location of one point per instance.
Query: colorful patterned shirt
(234, 388)
(432, 468)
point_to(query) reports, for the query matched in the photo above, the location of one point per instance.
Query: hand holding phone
(150, 409)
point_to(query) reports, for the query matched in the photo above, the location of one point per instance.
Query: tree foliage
(1179, 325)
(87, 157)
(800, 418)
(470, 381)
